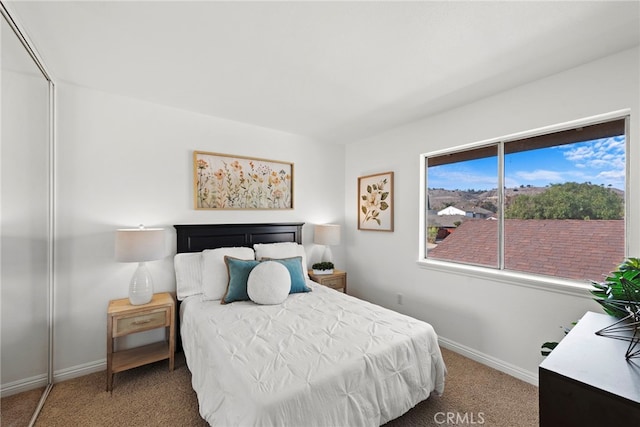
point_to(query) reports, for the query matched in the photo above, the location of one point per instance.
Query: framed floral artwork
(375, 202)
(223, 181)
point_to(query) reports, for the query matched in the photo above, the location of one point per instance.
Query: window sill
(545, 283)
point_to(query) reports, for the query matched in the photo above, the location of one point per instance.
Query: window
(549, 203)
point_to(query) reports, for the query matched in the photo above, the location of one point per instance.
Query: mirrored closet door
(26, 228)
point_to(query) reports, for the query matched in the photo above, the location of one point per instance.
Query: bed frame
(197, 237)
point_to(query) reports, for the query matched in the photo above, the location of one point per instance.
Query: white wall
(122, 162)
(501, 324)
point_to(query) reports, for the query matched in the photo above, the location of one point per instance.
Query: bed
(318, 358)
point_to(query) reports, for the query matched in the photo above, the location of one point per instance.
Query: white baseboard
(485, 359)
(26, 384)
(58, 376)
(80, 370)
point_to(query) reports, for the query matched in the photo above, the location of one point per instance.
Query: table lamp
(140, 245)
(327, 235)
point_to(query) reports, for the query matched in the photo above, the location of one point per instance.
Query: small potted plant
(324, 267)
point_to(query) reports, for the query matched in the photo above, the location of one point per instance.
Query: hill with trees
(568, 201)
(556, 201)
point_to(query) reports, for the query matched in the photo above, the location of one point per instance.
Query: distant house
(467, 211)
(476, 212)
(451, 210)
(448, 219)
(446, 224)
(574, 249)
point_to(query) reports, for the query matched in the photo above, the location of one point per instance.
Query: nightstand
(124, 319)
(337, 280)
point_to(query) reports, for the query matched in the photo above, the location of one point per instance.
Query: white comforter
(319, 359)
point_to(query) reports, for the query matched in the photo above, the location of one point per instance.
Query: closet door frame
(29, 47)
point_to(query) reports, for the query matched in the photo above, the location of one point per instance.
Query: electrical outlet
(399, 299)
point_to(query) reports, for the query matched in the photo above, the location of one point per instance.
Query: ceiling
(332, 71)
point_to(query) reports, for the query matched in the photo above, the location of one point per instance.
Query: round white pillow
(269, 283)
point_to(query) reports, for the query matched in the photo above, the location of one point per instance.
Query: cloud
(463, 179)
(614, 175)
(599, 154)
(604, 158)
(540, 175)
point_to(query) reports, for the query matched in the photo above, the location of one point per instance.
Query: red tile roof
(574, 249)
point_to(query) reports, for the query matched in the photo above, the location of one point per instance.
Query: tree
(568, 201)
(488, 205)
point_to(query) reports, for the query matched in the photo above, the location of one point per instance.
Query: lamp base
(327, 255)
(141, 286)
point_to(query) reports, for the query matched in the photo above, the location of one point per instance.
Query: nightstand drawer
(337, 280)
(334, 282)
(141, 322)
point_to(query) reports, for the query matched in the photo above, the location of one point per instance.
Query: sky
(600, 162)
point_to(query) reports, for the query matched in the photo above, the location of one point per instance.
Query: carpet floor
(152, 396)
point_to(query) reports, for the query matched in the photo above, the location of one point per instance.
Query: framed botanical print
(224, 181)
(375, 202)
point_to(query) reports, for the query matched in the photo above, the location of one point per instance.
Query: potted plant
(619, 291)
(324, 267)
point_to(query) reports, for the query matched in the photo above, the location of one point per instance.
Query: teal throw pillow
(238, 270)
(294, 265)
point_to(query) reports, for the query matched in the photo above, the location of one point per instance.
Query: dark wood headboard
(198, 237)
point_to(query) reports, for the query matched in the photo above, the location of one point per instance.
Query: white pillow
(188, 267)
(269, 283)
(215, 277)
(282, 250)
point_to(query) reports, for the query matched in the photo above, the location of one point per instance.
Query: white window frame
(556, 284)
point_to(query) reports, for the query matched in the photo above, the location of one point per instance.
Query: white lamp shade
(326, 234)
(140, 244)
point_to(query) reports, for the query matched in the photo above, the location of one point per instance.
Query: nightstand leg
(109, 355)
(172, 339)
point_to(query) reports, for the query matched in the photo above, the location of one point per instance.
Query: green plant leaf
(547, 347)
(611, 294)
(325, 265)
